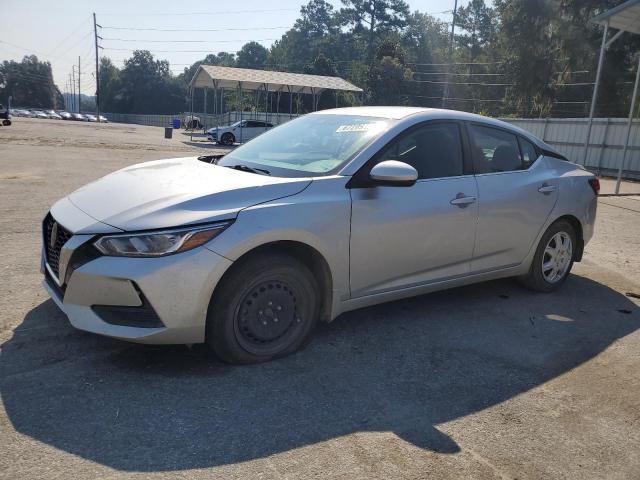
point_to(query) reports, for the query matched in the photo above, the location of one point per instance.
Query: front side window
(433, 149)
(315, 144)
(494, 150)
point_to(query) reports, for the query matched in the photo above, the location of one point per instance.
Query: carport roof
(210, 76)
(625, 17)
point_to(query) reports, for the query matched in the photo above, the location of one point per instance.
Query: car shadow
(403, 367)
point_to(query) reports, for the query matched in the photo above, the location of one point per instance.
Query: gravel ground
(486, 381)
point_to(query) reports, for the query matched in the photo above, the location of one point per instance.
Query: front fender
(319, 217)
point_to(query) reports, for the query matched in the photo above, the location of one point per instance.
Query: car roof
(400, 113)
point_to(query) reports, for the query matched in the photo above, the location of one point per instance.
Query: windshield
(310, 145)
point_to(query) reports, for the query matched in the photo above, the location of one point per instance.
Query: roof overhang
(624, 17)
(211, 76)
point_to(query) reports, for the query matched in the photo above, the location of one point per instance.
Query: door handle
(547, 189)
(462, 201)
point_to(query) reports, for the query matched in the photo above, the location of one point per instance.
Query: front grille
(53, 246)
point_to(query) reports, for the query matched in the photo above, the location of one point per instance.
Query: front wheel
(227, 139)
(553, 259)
(265, 308)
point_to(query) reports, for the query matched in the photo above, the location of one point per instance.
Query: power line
(162, 51)
(68, 36)
(187, 41)
(153, 29)
(216, 13)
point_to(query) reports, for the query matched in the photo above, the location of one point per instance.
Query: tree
(477, 21)
(147, 86)
(317, 19)
(110, 87)
(29, 83)
(252, 55)
(388, 76)
(529, 51)
(373, 18)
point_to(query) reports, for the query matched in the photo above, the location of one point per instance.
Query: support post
(604, 145)
(95, 38)
(290, 102)
(445, 92)
(240, 88)
(192, 89)
(204, 107)
(594, 97)
(629, 123)
(79, 96)
(266, 102)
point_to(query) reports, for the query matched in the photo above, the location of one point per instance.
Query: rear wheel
(227, 139)
(265, 308)
(553, 259)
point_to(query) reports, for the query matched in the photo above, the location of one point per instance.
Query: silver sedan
(327, 213)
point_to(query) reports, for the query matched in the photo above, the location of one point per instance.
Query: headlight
(157, 244)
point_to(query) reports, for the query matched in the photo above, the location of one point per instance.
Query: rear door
(516, 194)
(408, 236)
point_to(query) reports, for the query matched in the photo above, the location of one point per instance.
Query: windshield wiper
(247, 168)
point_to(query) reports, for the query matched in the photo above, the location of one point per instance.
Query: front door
(408, 236)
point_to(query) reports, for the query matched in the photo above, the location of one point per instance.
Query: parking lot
(486, 381)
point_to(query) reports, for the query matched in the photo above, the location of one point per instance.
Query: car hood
(179, 191)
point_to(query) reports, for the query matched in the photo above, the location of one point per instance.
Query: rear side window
(494, 150)
(433, 149)
(529, 152)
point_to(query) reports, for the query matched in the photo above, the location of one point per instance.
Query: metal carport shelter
(243, 79)
(624, 18)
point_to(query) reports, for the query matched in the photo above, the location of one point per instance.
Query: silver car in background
(333, 211)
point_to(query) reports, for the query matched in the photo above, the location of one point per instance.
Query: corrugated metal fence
(565, 134)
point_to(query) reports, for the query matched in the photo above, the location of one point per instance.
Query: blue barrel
(176, 123)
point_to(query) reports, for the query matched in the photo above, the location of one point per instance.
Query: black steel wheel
(227, 139)
(265, 308)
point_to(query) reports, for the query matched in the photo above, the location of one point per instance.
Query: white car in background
(40, 114)
(242, 131)
(53, 115)
(91, 118)
(65, 115)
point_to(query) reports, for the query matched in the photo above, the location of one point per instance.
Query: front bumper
(177, 288)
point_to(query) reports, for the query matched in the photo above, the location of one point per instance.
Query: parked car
(103, 119)
(79, 117)
(333, 211)
(40, 114)
(53, 115)
(16, 112)
(91, 118)
(65, 115)
(241, 131)
(28, 113)
(5, 115)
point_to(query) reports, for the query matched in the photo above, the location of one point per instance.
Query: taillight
(595, 184)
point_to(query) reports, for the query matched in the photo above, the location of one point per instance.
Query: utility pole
(96, 37)
(73, 84)
(446, 82)
(79, 97)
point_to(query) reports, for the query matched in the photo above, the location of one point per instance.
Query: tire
(266, 308)
(542, 279)
(227, 139)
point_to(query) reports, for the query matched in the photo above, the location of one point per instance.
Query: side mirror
(394, 174)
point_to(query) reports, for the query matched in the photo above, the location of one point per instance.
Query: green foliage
(252, 55)
(515, 57)
(29, 83)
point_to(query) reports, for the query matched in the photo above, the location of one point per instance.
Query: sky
(62, 31)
